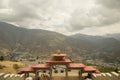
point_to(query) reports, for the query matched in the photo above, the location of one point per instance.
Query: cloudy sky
(93, 17)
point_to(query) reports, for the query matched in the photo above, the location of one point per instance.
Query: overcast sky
(93, 17)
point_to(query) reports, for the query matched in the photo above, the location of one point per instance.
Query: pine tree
(1, 58)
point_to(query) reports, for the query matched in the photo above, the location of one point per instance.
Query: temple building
(57, 60)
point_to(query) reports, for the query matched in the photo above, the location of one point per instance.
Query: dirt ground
(63, 78)
(9, 66)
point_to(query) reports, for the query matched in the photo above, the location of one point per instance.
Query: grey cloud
(29, 9)
(74, 15)
(99, 16)
(22, 10)
(112, 4)
(2, 4)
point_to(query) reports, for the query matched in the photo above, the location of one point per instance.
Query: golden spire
(58, 51)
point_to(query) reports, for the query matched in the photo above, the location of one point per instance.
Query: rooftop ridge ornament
(58, 51)
(58, 55)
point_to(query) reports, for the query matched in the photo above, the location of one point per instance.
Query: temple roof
(76, 66)
(26, 70)
(41, 66)
(90, 69)
(64, 61)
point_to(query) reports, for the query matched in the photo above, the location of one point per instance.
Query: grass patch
(106, 69)
(16, 66)
(9, 68)
(102, 68)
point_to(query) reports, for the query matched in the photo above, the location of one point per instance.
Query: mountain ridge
(36, 39)
(108, 47)
(38, 42)
(115, 35)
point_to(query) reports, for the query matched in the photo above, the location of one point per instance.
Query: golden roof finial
(58, 51)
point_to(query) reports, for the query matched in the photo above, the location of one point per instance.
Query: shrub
(1, 58)
(16, 66)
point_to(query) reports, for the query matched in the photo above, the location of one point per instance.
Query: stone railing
(4, 76)
(106, 76)
(101, 76)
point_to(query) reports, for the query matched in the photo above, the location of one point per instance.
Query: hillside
(37, 41)
(107, 47)
(116, 36)
(16, 41)
(100, 42)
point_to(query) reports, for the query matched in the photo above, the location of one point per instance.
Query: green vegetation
(106, 69)
(88, 64)
(1, 58)
(16, 66)
(102, 68)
